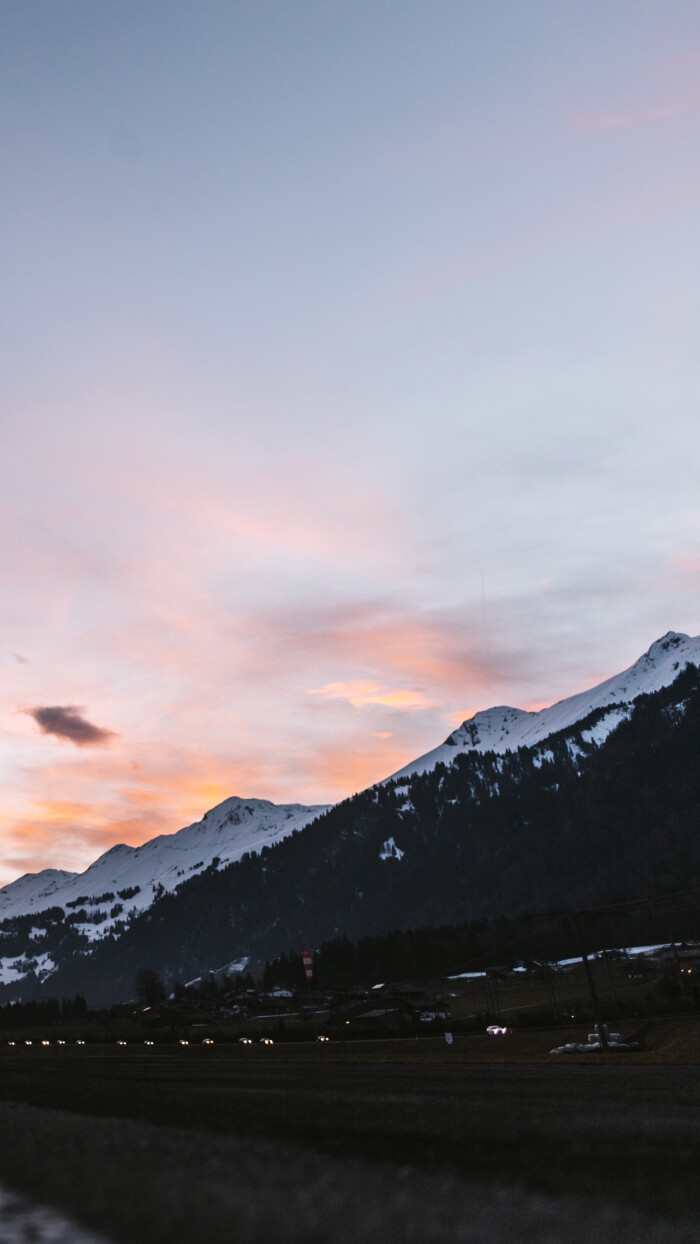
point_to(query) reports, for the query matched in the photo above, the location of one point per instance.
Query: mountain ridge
(568, 824)
(417, 833)
(499, 729)
(504, 728)
(224, 833)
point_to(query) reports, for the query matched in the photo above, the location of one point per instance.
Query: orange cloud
(115, 799)
(361, 694)
(353, 771)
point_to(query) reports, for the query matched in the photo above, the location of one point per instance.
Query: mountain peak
(125, 880)
(672, 639)
(504, 729)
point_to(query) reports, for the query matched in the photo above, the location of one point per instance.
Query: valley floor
(167, 1146)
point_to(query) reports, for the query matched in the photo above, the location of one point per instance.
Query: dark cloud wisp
(66, 722)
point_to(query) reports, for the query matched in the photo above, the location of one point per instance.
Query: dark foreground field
(172, 1145)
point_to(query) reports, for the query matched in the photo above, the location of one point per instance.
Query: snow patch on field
(22, 1222)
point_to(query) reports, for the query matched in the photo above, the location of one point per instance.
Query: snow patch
(541, 758)
(598, 733)
(390, 851)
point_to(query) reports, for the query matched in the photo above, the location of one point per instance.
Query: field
(406, 1139)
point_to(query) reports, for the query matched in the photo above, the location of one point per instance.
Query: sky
(348, 385)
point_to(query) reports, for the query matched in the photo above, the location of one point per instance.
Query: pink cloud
(372, 651)
(493, 260)
(687, 565)
(596, 123)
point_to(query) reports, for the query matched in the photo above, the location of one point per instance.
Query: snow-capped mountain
(215, 907)
(129, 878)
(504, 729)
(33, 891)
(126, 880)
(567, 824)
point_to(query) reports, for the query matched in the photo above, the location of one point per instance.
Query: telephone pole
(600, 1026)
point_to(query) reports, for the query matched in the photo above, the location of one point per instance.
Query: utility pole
(493, 993)
(547, 972)
(600, 1026)
(677, 965)
(606, 957)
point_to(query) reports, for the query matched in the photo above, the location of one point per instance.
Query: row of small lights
(205, 1041)
(59, 1042)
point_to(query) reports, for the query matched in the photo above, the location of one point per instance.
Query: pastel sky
(350, 384)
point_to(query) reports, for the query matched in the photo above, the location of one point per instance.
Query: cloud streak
(596, 123)
(66, 721)
(361, 693)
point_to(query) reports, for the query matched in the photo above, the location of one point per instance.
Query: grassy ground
(137, 1183)
(567, 1148)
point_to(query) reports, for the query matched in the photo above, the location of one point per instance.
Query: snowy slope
(226, 833)
(504, 729)
(33, 891)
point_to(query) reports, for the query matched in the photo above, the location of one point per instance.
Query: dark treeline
(47, 1011)
(489, 838)
(407, 954)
